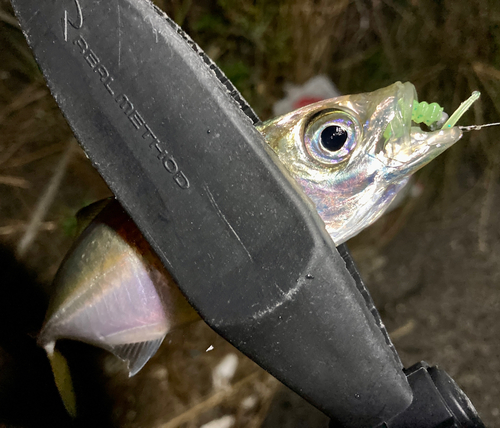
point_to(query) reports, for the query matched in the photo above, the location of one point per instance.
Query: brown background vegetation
(433, 265)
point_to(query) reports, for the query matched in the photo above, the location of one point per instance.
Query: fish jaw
(345, 215)
(419, 149)
(351, 194)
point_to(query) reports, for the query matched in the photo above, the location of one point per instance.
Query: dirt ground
(432, 266)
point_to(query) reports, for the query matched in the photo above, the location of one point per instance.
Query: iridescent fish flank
(352, 154)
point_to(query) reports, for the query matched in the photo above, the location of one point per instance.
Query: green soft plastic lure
(433, 115)
(424, 112)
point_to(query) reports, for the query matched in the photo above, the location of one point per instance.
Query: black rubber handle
(437, 402)
(246, 247)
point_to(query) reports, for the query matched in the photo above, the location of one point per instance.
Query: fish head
(352, 154)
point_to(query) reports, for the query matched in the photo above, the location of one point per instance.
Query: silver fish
(351, 155)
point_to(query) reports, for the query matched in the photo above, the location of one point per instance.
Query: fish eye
(331, 136)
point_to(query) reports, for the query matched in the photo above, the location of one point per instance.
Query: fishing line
(477, 127)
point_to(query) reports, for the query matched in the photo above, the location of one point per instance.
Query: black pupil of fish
(333, 138)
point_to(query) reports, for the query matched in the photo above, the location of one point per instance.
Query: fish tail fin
(62, 377)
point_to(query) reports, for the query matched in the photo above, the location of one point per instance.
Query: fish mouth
(405, 145)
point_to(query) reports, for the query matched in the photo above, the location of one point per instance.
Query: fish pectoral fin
(136, 354)
(62, 377)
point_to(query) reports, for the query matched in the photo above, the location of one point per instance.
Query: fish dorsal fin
(85, 215)
(137, 354)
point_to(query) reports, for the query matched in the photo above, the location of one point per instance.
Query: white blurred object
(224, 422)
(315, 89)
(224, 371)
(249, 402)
